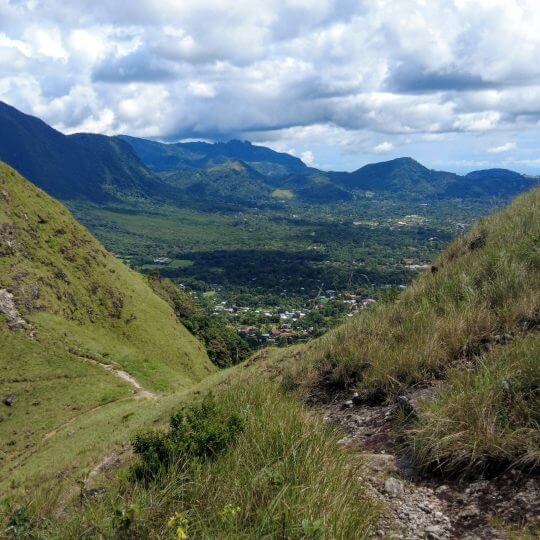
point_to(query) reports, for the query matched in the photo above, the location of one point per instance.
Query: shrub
(202, 430)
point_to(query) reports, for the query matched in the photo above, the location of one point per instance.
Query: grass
(283, 477)
(487, 417)
(62, 277)
(284, 194)
(483, 293)
(81, 301)
(486, 284)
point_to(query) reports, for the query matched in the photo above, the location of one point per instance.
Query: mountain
(83, 337)
(406, 177)
(230, 174)
(401, 175)
(199, 155)
(81, 166)
(491, 182)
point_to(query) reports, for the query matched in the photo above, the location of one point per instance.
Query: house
(162, 260)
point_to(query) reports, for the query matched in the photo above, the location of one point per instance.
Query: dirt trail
(429, 508)
(140, 392)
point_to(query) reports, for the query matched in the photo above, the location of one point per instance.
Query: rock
(442, 489)
(469, 512)
(433, 532)
(393, 486)
(92, 493)
(477, 486)
(380, 462)
(9, 400)
(406, 405)
(9, 309)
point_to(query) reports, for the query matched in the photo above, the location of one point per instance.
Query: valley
(193, 351)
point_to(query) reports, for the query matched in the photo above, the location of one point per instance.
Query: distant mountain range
(101, 168)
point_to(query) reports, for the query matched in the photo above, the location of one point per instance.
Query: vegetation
(223, 345)
(486, 284)
(482, 293)
(280, 476)
(486, 418)
(76, 307)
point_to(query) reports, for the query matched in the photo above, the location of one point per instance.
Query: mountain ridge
(101, 168)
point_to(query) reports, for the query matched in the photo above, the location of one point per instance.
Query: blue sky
(340, 83)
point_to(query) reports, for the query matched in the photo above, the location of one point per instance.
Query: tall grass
(485, 418)
(487, 283)
(284, 477)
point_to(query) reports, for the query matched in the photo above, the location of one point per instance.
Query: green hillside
(469, 322)
(72, 317)
(251, 460)
(74, 167)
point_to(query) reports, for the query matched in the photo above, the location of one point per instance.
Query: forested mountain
(100, 168)
(80, 166)
(200, 155)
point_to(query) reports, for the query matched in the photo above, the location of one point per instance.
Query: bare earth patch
(430, 507)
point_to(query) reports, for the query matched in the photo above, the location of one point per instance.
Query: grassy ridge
(79, 301)
(61, 276)
(471, 321)
(485, 285)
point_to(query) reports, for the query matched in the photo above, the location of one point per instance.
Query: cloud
(331, 77)
(507, 147)
(383, 147)
(308, 157)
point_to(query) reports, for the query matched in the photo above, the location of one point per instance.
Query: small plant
(19, 524)
(202, 430)
(312, 529)
(229, 513)
(179, 524)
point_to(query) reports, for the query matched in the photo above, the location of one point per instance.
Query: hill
(200, 155)
(83, 336)
(80, 166)
(407, 178)
(465, 333)
(232, 182)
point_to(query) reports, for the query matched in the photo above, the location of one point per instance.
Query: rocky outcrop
(9, 309)
(421, 507)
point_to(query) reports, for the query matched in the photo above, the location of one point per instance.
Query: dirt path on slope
(429, 507)
(140, 391)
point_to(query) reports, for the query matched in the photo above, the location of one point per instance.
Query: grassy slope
(484, 295)
(81, 301)
(285, 476)
(487, 284)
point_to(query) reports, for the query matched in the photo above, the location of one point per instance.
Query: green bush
(202, 430)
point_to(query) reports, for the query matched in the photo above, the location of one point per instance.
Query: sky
(340, 83)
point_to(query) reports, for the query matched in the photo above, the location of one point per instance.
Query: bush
(202, 430)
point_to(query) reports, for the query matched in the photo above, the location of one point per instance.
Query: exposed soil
(430, 507)
(140, 392)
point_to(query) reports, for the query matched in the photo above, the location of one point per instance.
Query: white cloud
(507, 147)
(201, 89)
(317, 74)
(308, 157)
(383, 147)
